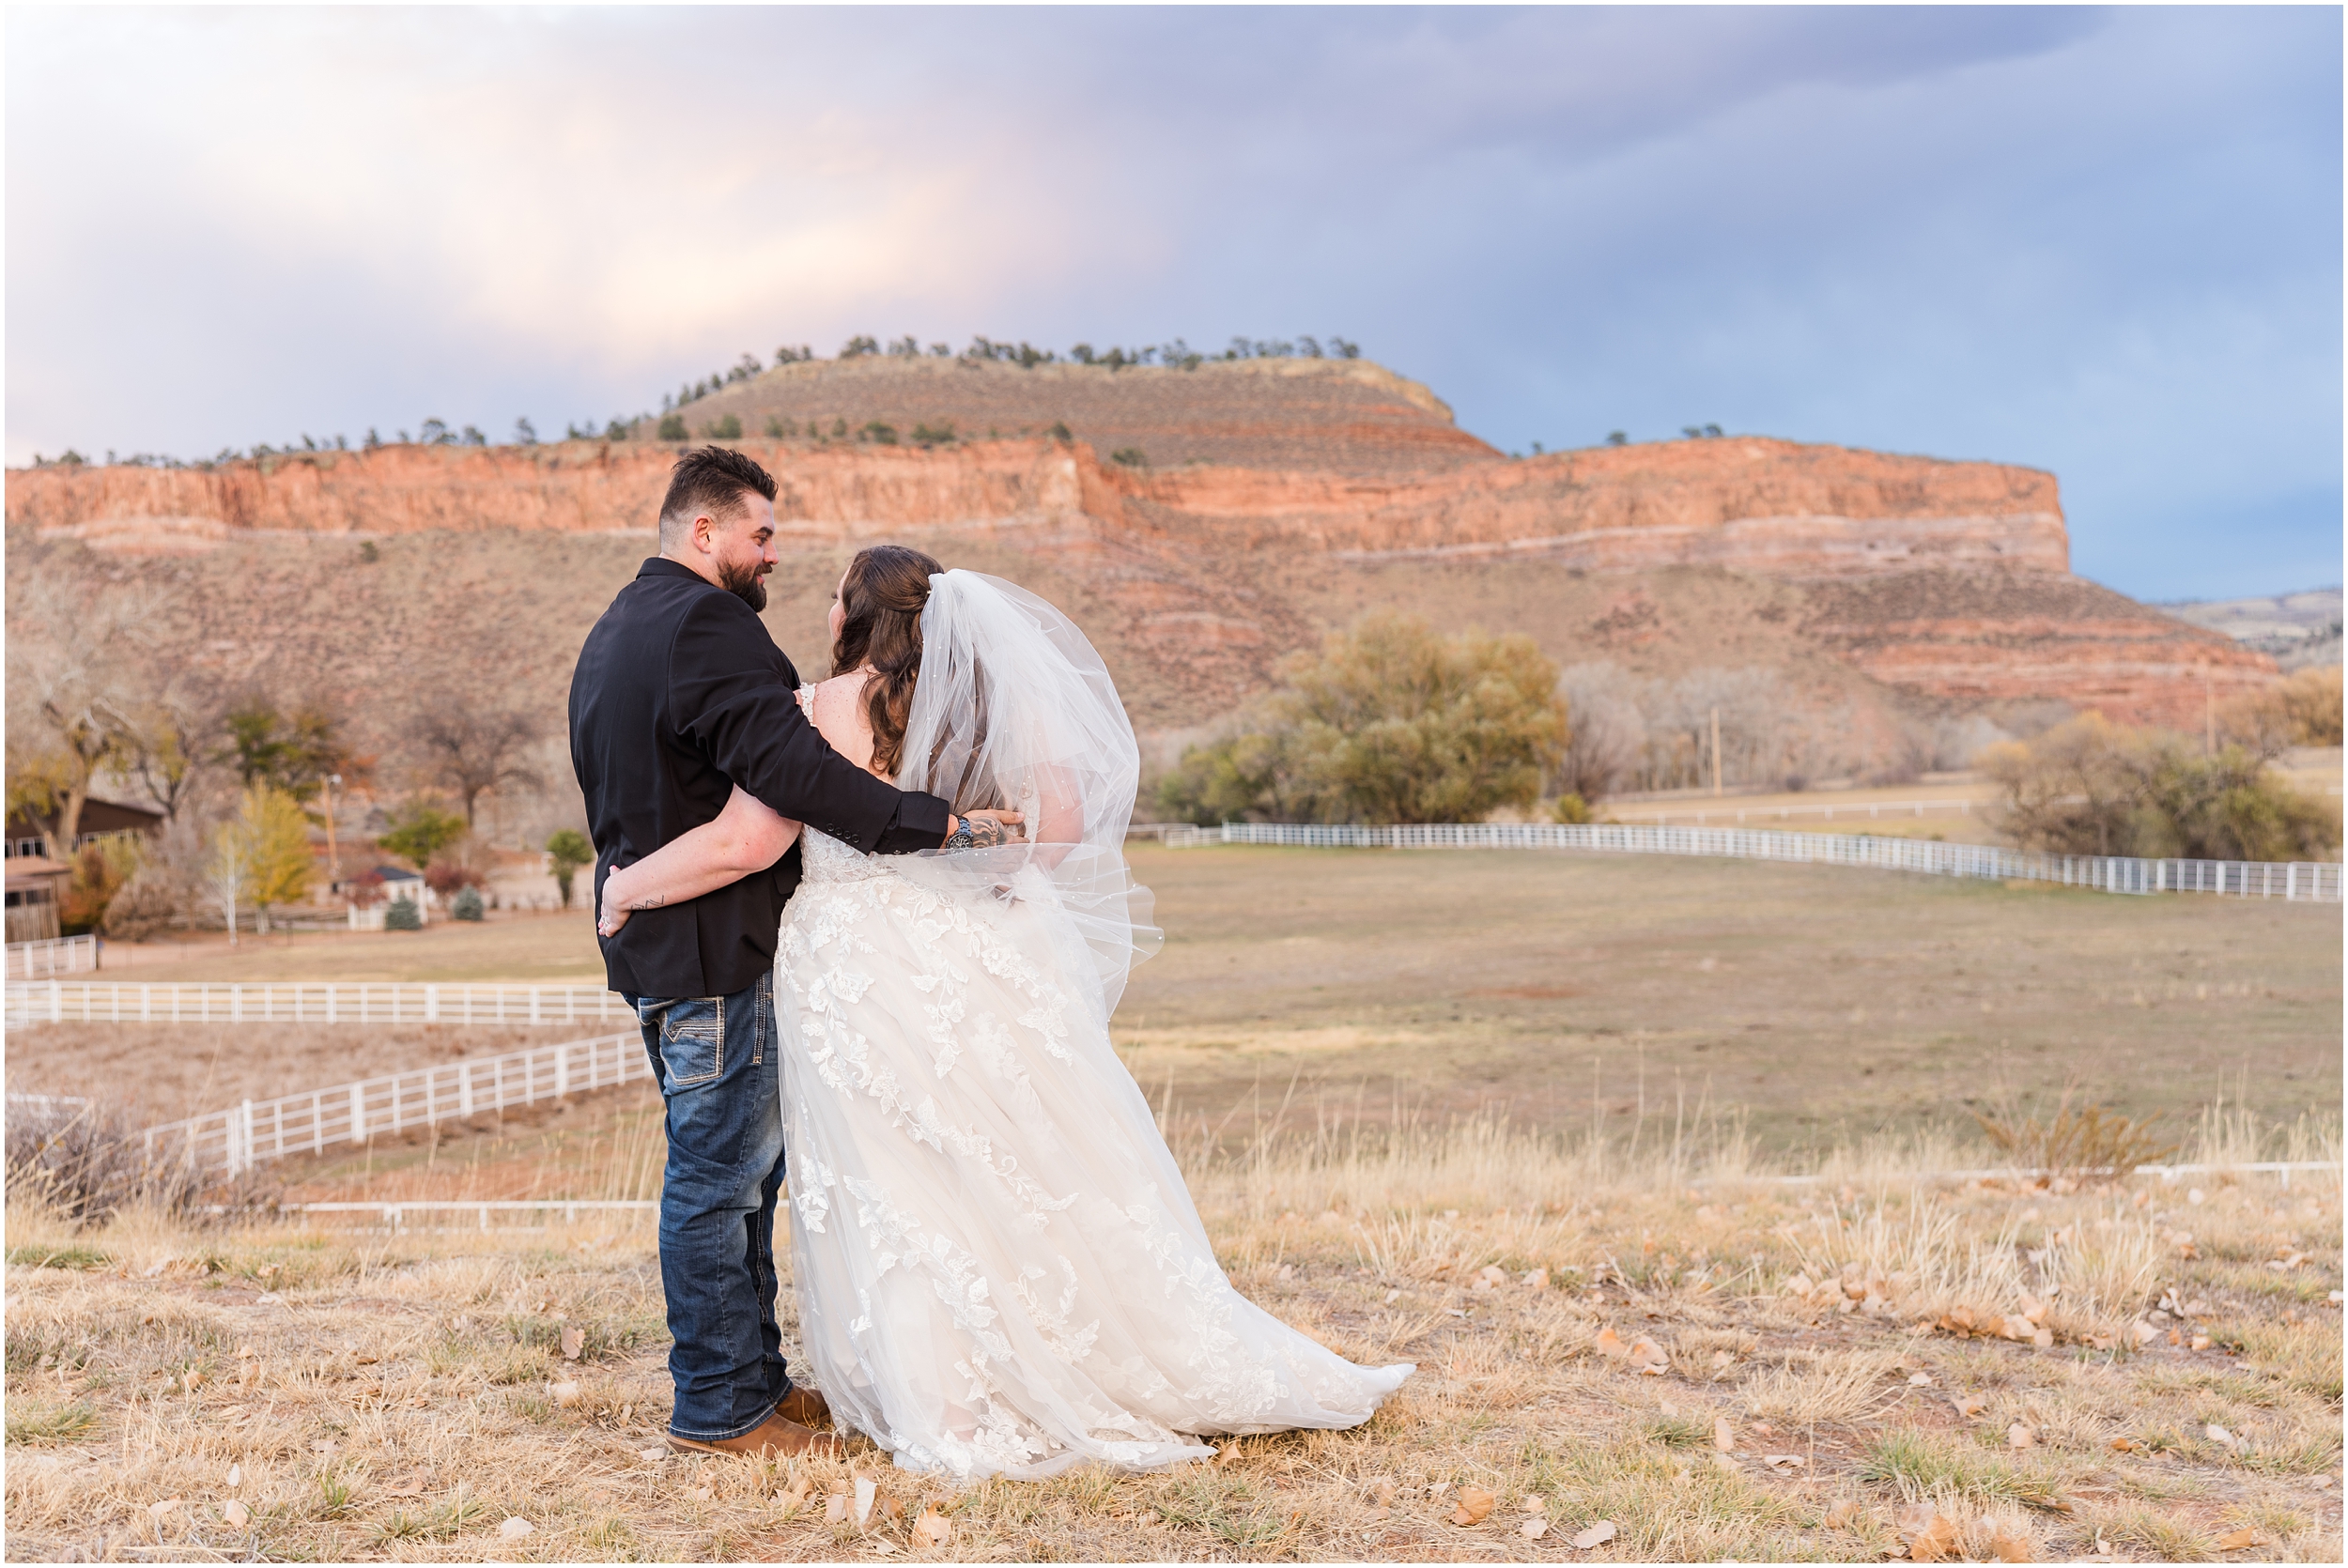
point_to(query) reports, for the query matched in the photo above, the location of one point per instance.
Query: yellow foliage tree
(274, 835)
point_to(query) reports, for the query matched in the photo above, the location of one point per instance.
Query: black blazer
(679, 695)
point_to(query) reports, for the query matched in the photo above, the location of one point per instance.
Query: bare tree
(71, 692)
(1607, 730)
(472, 748)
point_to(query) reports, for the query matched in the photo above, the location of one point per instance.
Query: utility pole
(1716, 751)
(334, 857)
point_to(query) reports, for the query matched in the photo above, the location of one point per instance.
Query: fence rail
(132, 1002)
(2299, 881)
(234, 1141)
(60, 955)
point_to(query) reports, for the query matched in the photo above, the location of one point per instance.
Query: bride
(999, 1270)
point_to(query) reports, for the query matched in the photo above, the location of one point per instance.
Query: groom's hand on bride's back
(984, 830)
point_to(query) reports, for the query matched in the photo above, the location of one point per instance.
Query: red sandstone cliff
(1948, 578)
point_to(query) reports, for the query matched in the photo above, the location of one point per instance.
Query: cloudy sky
(2106, 244)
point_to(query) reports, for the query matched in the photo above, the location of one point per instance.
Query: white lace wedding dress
(999, 1270)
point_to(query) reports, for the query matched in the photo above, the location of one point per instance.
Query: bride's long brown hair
(881, 600)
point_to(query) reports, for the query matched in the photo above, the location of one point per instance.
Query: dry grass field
(1821, 1004)
(1518, 1118)
(1688, 1360)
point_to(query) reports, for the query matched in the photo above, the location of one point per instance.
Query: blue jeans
(715, 1058)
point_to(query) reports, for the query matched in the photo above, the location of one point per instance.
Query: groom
(680, 695)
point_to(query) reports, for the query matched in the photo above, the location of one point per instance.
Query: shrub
(1130, 457)
(84, 1161)
(403, 915)
(886, 434)
(467, 906)
(672, 427)
(927, 434)
(567, 850)
(101, 870)
(1571, 809)
(1387, 722)
(727, 429)
(2092, 787)
(2303, 708)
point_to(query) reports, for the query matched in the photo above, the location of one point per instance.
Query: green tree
(567, 850)
(1387, 722)
(727, 429)
(672, 427)
(420, 831)
(290, 751)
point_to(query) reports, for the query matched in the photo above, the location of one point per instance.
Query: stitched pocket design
(693, 1039)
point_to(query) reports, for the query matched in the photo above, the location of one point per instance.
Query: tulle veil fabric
(1015, 710)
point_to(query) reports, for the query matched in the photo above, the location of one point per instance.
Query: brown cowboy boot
(774, 1435)
(806, 1406)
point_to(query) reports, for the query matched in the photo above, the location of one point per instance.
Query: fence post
(358, 1115)
(432, 1003)
(464, 1089)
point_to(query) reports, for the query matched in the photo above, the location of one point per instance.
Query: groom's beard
(746, 583)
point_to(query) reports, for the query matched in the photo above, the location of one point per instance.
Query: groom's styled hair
(712, 479)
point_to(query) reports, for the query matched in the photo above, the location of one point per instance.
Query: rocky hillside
(1270, 502)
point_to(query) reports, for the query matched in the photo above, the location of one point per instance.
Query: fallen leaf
(1968, 1406)
(2142, 1334)
(1785, 1461)
(236, 1514)
(932, 1529)
(514, 1529)
(1800, 1285)
(1538, 1279)
(703, 1493)
(883, 1546)
(2219, 1434)
(1597, 1535)
(866, 1490)
(573, 1343)
(2242, 1540)
(1534, 1528)
(1931, 1536)
(1475, 1504)
(1535, 1505)
(1920, 1379)
(236, 1475)
(2200, 1342)
(2010, 1544)
(1609, 1344)
(836, 1487)
(1723, 1435)
(1392, 1296)
(835, 1509)
(652, 1455)
(1493, 1274)
(1842, 1513)
(406, 1486)
(2121, 1445)
(157, 1509)
(565, 1395)
(1648, 1356)
(1384, 1493)
(2019, 1436)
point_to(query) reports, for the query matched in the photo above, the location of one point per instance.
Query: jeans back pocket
(693, 1039)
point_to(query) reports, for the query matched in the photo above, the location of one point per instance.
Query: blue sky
(2102, 243)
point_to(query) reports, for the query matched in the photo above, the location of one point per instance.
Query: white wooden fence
(234, 1141)
(60, 955)
(2299, 881)
(132, 1002)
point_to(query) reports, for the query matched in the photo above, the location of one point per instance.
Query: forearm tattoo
(978, 833)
